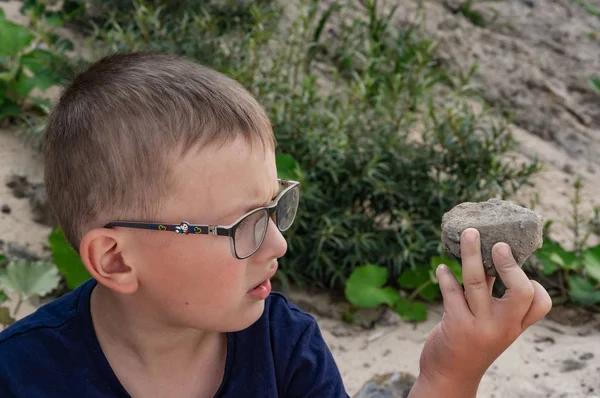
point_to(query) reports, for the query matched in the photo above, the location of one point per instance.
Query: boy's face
(194, 280)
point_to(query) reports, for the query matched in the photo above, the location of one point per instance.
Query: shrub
(381, 157)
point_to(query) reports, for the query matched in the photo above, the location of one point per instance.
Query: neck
(124, 323)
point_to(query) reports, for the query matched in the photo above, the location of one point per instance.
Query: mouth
(262, 290)
(268, 276)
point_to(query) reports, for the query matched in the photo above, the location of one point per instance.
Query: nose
(274, 245)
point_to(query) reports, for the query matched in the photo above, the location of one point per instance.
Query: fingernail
(504, 250)
(470, 235)
(442, 268)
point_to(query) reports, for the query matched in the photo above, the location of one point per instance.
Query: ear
(101, 251)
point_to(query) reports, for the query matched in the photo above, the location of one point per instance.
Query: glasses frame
(185, 228)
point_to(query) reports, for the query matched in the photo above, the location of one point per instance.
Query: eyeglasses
(248, 232)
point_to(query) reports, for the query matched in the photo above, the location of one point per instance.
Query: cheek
(190, 272)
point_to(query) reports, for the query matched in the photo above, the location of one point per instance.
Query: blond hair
(117, 126)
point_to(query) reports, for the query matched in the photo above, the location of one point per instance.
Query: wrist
(439, 386)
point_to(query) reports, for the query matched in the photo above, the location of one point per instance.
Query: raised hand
(476, 327)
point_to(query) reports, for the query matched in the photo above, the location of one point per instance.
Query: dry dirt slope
(535, 60)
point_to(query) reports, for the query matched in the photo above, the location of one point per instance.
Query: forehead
(216, 182)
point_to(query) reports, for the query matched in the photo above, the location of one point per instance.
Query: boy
(138, 144)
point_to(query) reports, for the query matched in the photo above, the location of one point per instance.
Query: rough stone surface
(389, 385)
(497, 221)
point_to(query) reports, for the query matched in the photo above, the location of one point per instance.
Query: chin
(248, 316)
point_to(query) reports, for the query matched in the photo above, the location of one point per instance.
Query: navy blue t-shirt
(54, 352)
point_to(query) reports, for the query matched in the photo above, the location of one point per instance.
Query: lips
(267, 277)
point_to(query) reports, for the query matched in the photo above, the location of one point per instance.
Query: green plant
(474, 16)
(350, 98)
(366, 288)
(595, 84)
(577, 271)
(590, 8)
(67, 260)
(32, 60)
(26, 279)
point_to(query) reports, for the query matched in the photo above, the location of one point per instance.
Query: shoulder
(45, 322)
(281, 312)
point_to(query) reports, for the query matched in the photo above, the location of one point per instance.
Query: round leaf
(29, 278)
(413, 278)
(411, 310)
(364, 287)
(583, 291)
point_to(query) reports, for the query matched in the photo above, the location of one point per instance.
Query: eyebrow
(248, 208)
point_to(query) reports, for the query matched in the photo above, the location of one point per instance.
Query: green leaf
(38, 60)
(430, 292)
(595, 84)
(33, 6)
(591, 9)
(287, 167)
(591, 261)
(9, 75)
(9, 108)
(364, 287)
(2, 258)
(411, 310)
(2, 14)
(583, 291)
(42, 81)
(29, 278)
(3, 296)
(55, 19)
(67, 260)
(413, 278)
(72, 8)
(5, 318)
(454, 266)
(553, 257)
(475, 17)
(15, 38)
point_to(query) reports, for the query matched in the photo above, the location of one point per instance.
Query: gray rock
(389, 385)
(18, 184)
(497, 221)
(36, 195)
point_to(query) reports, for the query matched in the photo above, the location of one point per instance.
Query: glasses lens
(250, 233)
(287, 207)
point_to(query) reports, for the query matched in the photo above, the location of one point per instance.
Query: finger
(519, 290)
(474, 279)
(540, 306)
(490, 282)
(452, 292)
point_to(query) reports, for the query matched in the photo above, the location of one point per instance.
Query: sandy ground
(548, 360)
